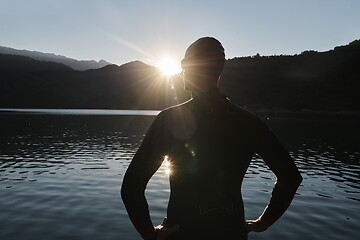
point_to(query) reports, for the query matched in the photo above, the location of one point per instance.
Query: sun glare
(167, 165)
(169, 66)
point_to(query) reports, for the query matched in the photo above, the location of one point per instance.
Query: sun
(169, 66)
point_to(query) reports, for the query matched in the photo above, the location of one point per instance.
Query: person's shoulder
(241, 112)
(179, 120)
(250, 120)
(170, 114)
(176, 109)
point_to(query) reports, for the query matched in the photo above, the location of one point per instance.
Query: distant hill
(317, 81)
(80, 65)
(327, 81)
(133, 85)
(16, 64)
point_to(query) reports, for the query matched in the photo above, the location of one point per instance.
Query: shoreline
(261, 112)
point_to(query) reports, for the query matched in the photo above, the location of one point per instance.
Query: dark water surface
(60, 177)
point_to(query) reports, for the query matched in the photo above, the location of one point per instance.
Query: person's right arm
(145, 163)
(288, 179)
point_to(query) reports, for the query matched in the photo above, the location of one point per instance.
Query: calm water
(60, 177)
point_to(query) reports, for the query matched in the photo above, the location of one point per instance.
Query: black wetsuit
(209, 142)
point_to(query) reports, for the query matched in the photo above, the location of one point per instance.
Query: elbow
(292, 181)
(130, 192)
(298, 179)
(125, 192)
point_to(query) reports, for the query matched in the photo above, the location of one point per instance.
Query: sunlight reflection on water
(60, 177)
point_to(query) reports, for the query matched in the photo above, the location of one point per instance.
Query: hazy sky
(120, 31)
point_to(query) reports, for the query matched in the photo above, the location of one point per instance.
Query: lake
(61, 172)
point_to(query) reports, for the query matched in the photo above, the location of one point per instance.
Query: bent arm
(144, 164)
(288, 177)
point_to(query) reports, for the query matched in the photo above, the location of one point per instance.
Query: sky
(120, 31)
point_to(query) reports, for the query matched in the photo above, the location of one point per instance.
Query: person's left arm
(288, 179)
(145, 163)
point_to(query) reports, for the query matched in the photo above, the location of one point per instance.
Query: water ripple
(60, 178)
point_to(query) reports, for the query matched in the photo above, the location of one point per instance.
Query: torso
(211, 146)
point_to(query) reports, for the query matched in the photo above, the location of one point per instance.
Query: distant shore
(306, 113)
(79, 111)
(261, 112)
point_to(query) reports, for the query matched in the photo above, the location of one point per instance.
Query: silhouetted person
(209, 142)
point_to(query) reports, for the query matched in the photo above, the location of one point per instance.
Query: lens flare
(167, 165)
(169, 66)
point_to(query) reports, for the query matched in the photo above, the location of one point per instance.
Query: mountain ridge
(80, 65)
(310, 81)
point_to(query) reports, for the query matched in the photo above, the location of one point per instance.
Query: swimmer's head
(203, 63)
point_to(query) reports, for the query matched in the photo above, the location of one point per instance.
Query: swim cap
(204, 52)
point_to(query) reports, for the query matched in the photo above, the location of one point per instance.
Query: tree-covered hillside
(321, 81)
